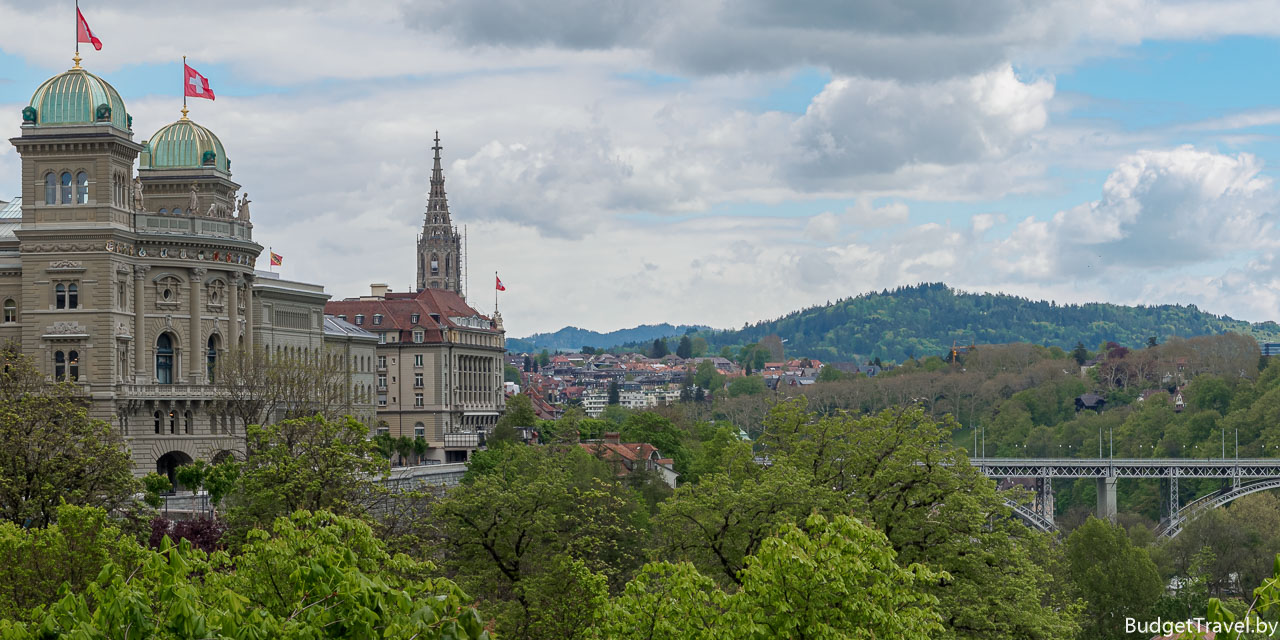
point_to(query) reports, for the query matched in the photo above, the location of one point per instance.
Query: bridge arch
(1171, 527)
(1030, 517)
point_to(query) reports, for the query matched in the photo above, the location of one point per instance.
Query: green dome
(183, 145)
(73, 97)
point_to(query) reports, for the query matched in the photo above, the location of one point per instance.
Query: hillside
(924, 320)
(573, 338)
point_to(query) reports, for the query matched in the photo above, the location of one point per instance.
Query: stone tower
(440, 245)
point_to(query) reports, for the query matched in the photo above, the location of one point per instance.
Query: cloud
(1160, 209)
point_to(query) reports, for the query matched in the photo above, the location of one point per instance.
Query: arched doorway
(168, 465)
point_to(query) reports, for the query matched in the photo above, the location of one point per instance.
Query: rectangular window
(417, 336)
(417, 380)
(382, 382)
(382, 399)
(382, 362)
(377, 319)
(359, 319)
(413, 319)
(382, 337)
(417, 400)
(417, 360)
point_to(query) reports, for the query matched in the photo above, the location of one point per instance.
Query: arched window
(448, 266)
(73, 297)
(177, 211)
(64, 195)
(10, 310)
(164, 210)
(60, 296)
(73, 365)
(82, 188)
(211, 358)
(164, 359)
(51, 189)
(435, 264)
(419, 431)
(159, 417)
(173, 421)
(187, 419)
(59, 366)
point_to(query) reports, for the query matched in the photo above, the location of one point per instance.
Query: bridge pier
(1107, 498)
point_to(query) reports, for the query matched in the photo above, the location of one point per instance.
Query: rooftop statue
(243, 210)
(193, 200)
(137, 194)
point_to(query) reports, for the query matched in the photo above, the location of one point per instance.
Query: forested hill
(923, 320)
(573, 338)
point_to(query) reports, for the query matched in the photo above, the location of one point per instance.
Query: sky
(719, 162)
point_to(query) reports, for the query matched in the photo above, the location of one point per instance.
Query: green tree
(827, 579)
(51, 451)
(510, 374)
(772, 346)
(659, 348)
(544, 358)
(72, 551)
(685, 349)
(1116, 579)
(645, 426)
(1080, 354)
(519, 412)
(699, 346)
(747, 386)
(829, 373)
(308, 463)
(899, 470)
(515, 535)
(154, 486)
(313, 576)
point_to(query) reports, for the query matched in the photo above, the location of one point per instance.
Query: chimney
(379, 290)
(613, 437)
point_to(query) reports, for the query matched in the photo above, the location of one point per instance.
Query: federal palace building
(129, 267)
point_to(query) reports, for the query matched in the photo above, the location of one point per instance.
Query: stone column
(248, 312)
(1107, 499)
(195, 363)
(233, 332)
(139, 325)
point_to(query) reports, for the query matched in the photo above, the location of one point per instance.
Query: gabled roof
(397, 311)
(335, 326)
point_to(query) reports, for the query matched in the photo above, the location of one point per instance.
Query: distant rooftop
(10, 210)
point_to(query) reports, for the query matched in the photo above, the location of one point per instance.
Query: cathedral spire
(436, 201)
(440, 259)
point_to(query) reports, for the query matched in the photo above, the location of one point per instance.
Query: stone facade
(135, 285)
(438, 368)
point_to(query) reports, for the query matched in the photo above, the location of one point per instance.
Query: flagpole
(77, 57)
(495, 293)
(184, 84)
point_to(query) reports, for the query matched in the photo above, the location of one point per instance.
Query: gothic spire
(436, 201)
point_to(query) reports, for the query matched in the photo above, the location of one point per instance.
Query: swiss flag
(84, 33)
(499, 286)
(195, 85)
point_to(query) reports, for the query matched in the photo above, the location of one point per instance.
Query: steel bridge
(1241, 477)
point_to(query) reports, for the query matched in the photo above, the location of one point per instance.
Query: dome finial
(184, 112)
(76, 59)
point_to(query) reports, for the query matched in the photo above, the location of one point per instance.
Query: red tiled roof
(397, 310)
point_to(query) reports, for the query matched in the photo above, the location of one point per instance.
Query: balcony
(463, 440)
(172, 391)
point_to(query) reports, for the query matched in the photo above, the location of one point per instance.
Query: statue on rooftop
(193, 200)
(243, 210)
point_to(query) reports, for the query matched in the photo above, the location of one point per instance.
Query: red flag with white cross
(195, 85)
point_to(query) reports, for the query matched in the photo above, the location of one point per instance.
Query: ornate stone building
(135, 285)
(439, 366)
(440, 245)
